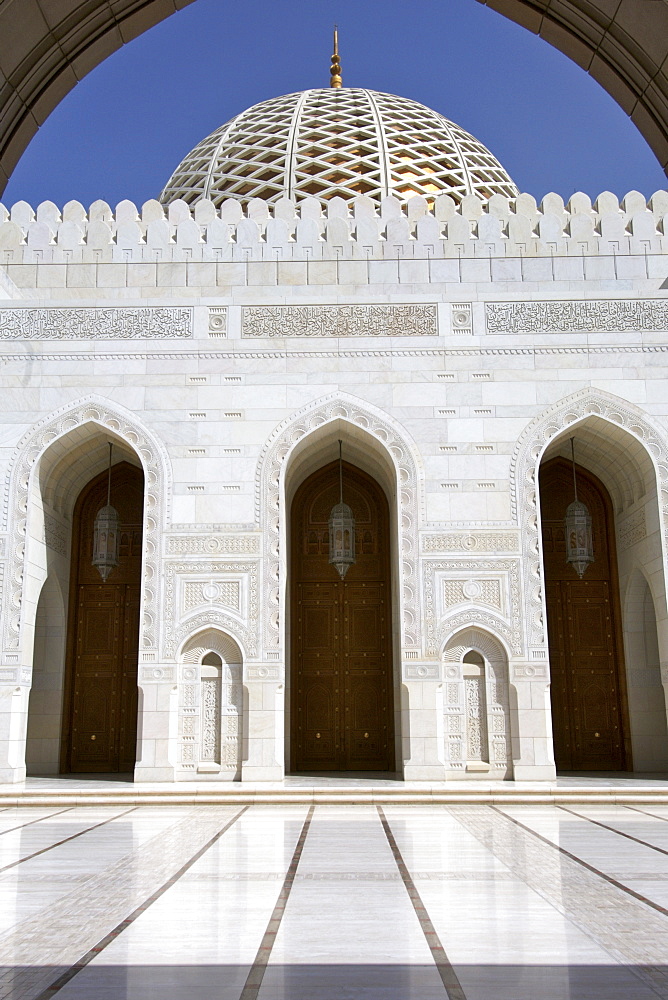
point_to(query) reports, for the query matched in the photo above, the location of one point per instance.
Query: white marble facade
(225, 351)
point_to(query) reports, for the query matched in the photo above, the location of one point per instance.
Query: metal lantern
(341, 530)
(106, 534)
(577, 525)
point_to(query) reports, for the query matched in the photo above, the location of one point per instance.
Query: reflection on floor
(357, 902)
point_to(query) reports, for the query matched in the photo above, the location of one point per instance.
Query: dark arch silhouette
(623, 44)
(47, 47)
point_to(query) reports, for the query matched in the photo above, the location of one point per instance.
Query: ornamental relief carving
(212, 586)
(213, 545)
(202, 592)
(419, 320)
(481, 591)
(479, 541)
(269, 500)
(476, 715)
(504, 619)
(577, 316)
(633, 529)
(524, 478)
(157, 489)
(80, 323)
(56, 534)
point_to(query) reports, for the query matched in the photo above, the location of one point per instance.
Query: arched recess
(621, 446)
(375, 444)
(477, 731)
(211, 730)
(647, 699)
(45, 705)
(52, 462)
(636, 461)
(46, 49)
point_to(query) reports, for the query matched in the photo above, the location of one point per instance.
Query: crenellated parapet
(357, 229)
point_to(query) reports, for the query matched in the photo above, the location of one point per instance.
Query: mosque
(343, 455)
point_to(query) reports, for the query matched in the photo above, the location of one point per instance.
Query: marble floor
(335, 902)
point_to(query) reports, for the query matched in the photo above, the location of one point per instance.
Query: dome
(337, 142)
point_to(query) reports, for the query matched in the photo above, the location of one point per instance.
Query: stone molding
(82, 323)
(343, 352)
(340, 321)
(269, 501)
(562, 316)
(18, 483)
(524, 467)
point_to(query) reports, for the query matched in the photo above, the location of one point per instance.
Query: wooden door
(341, 631)
(100, 724)
(589, 714)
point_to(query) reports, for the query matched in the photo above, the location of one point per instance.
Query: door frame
(291, 609)
(615, 596)
(70, 632)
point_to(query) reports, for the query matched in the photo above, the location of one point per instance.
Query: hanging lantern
(577, 525)
(106, 534)
(341, 531)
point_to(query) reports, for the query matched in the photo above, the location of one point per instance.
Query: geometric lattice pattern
(337, 142)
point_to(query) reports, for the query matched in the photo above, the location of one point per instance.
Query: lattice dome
(337, 142)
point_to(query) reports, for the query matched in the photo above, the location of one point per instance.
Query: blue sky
(123, 129)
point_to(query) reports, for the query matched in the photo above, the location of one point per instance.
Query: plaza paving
(339, 902)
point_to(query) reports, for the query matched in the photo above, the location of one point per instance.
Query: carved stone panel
(464, 541)
(224, 592)
(419, 320)
(77, 323)
(490, 587)
(577, 316)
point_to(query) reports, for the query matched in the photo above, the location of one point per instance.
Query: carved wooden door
(100, 724)
(589, 715)
(341, 635)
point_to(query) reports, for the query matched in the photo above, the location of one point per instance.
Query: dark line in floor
(30, 822)
(644, 812)
(65, 840)
(104, 942)
(256, 975)
(620, 833)
(448, 975)
(584, 864)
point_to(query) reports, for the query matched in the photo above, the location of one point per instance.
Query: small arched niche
(211, 707)
(476, 730)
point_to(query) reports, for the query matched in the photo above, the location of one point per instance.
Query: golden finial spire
(335, 69)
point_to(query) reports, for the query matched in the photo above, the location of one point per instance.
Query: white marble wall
(449, 373)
